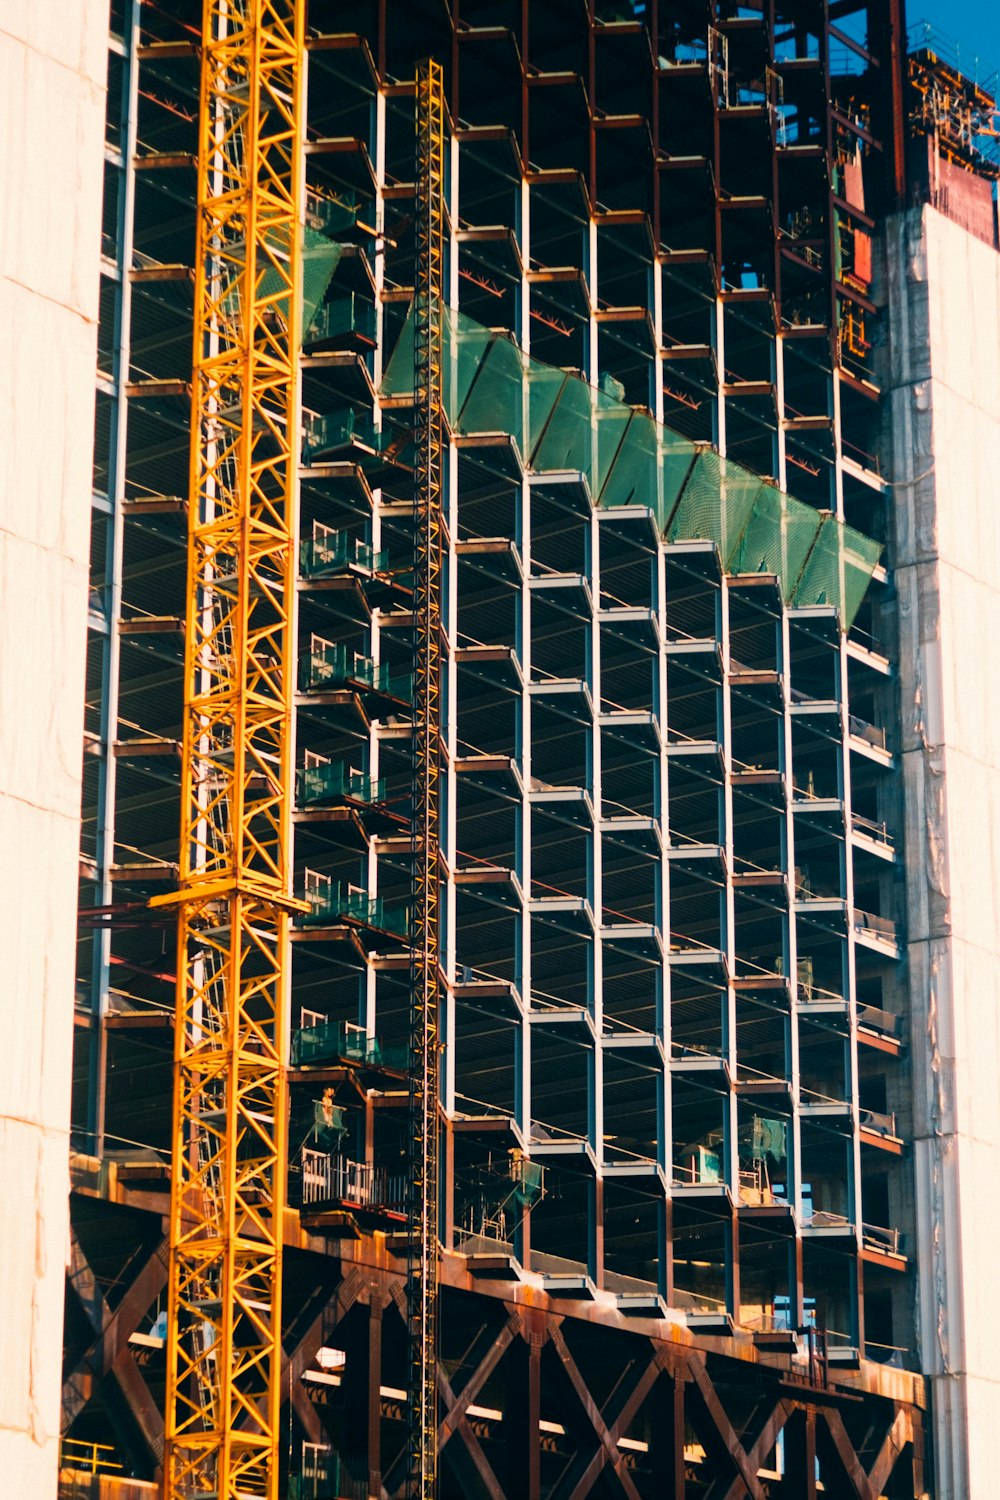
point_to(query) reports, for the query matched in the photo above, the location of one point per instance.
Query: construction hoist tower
(425, 933)
(234, 900)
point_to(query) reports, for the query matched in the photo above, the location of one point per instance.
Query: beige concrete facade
(944, 290)
(52, 82)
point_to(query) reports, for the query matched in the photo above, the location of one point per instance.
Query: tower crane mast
(234, 898)
(425, 934)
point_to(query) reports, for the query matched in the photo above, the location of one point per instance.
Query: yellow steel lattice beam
(425, 937)
(229, 1146)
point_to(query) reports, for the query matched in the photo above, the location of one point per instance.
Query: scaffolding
(953, 102)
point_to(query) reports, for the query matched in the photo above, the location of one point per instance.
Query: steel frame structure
(425, 936)
(574, 299)
(107, 517)
(706, 1416)
(229, 1130)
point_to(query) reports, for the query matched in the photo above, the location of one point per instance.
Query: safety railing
(870, 925)
(88, 1458)
(870, 733)
(328, 780)
(330, 1178)
(755, 1190)
(336, 551)
(323, 1476)
(897, 1355)
(341, 1041)
(346, 315)
(878, 1122)
(325, 435)
(877, 832)
(924, 36)
(330, 900)
(885, 1241)
(876, 1019)
(337, 212)
(699, 1304)
(331, 664)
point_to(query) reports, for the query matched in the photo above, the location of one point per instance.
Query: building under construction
(534, 1025)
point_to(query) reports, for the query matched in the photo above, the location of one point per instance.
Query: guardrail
(870, 733)
(875, 926)
(882, 1124)
(327, 1178)
(88, 1458)
(886, 1241)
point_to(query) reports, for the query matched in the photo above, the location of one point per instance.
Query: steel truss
(229, 1147)
(703, 1416)
(425, 935)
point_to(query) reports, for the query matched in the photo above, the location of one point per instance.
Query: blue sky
(973, 24)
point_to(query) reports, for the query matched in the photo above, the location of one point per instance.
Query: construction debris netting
(560, 423)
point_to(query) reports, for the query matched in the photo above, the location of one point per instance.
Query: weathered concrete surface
(52, 77)
(944, 292)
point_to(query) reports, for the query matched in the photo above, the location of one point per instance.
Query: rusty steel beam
(672, 1386)
(109, 1356)
(609, 1450)
(593, 1413)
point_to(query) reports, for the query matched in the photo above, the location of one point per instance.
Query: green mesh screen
(496, 397)
(838, 569)
(561, 423)
(566, 442)
(465, 344)
(759, 549)
(320, 258)
(740, 492)
(397, 378)
(613, 420)
(677, 460)
(819, 582)
(697, 514)
(583, 433)
(544, 386)
(802, 523)
(861, 555)
(776, 539)
(716, 503)
(634, 477)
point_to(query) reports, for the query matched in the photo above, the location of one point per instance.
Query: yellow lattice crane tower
(229, 1126)
(234, 898)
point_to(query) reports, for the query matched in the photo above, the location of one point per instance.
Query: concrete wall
(944, 291)
(52, 77)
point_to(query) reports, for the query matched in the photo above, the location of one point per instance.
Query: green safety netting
(559, 423)
(838, 569)
(651, 468)
(715, 504)
(320, 258)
